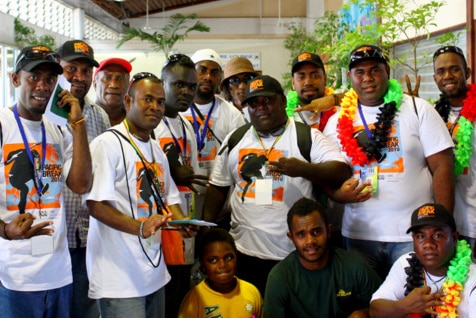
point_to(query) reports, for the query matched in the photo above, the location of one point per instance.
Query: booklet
(57, 115)
(191, 222)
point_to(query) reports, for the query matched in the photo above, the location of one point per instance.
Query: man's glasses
(366, 52)
(140, 76)
(235, 81)
(448, 49)
(36, 54)
(181, 59)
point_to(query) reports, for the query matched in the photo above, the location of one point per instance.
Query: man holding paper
(38, 157)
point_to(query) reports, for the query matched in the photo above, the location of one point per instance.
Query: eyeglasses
(448, 49)
(235, 81)
(36, 54)
(140, 76)
(257, 101)
(366, 52)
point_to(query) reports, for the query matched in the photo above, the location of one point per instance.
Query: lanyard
(35, 162)
(183, 151)
(367, 130)
(196, 126)
(268, 151)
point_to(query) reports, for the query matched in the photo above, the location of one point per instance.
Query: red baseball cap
(114, 60)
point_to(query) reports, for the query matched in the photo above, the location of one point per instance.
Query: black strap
(117, 134)
(414, 106)
(199, 113)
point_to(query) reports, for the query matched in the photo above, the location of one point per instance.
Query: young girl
(221, 294)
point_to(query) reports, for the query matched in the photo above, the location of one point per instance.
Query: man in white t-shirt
(397, 143)
(269, 172)
(418, 282)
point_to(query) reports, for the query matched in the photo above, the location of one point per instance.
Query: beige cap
(237, 65)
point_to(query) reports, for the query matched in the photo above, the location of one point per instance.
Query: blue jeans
(83, 306)
(150, 306)
(51, 303)
(379, 255)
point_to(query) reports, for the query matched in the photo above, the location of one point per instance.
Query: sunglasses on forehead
(181, 59)
(35, 54)
(366, 52)
(448, 49)
(140, 76)
(235, 80)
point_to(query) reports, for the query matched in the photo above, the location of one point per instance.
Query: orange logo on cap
(304, 56)
(426, 211)
(256, 84)
(40, 48)
(81, 47)
(364, 48)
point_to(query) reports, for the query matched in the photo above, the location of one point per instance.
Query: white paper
(50, 113)
(264, 192)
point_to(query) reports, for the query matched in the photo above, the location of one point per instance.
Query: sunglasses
(35, 54)
(448, 49)
(235, 81)
(366, 52)
(140, 76)
(181, 59)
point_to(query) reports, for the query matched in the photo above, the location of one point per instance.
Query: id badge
(264, 191)
(42, 244)
(370, 174)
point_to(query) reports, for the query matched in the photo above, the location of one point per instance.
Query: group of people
(151, 150)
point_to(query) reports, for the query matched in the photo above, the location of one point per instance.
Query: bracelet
(336, 100)
(5, 232)
(141, 228)
(79, 121)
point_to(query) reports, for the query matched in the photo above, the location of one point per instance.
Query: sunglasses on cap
(140, 76)
(235, 80)
(180, 59)
(366, 52)
(36, 54)
(448, 49)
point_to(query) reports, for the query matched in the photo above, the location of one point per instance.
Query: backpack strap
(235, 137)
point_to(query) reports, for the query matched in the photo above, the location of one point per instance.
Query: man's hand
(184, 176)
(154, 223)
(71, 104)
(410, 91)
(286, 166)
(353, 192)
(21, 227)
(421, 301)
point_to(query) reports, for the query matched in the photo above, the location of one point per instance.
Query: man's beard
(205, 95)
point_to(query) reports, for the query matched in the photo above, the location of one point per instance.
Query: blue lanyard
(183, 151)
(367, 130)
(37, 167)
(196, 126)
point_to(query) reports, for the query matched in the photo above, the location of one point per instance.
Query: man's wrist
(5, 236)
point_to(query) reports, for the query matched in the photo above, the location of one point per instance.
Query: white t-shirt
(404, 179)
(19, 270)
(260, 230)
(116, 263)
(465, 188)
(393, 288)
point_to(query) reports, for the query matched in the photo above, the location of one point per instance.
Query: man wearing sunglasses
(131, 199)
(237, 73)
(77, 60)
(39, 157)
(398, 145)
(457, 107)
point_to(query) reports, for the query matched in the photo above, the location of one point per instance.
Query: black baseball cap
(307, 57)
(448, 49)
(76, 49)
(32, 56)
(432, 214)
(366, 52)
(262, 86)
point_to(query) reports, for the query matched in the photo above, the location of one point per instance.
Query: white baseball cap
(207, 55)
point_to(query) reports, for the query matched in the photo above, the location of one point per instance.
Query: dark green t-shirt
(343, 286)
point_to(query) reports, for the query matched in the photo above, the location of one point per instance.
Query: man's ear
(290, 236)
(15, 79)
(468, 73)
(127, 102)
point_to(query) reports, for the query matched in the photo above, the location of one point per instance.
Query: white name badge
(42, 244)
(264, 192)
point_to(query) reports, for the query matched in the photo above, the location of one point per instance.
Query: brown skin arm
(214, 201)
(419, 301)
(21, 228)
(80, 178)
(361, 313)
(441, 167)
(321, 104)
(107, 214)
